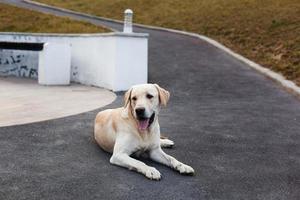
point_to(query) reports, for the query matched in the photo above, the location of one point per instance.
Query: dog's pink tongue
(143, 124)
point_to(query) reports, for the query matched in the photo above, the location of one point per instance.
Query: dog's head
(144, 101)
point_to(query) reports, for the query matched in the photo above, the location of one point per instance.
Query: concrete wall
(19, 63)
(111, 60)
(55, 64)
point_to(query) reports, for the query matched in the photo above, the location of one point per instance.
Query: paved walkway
(239, 130)
(25, 101)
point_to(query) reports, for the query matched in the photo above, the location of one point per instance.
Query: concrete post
(128, 21)
(55, 64)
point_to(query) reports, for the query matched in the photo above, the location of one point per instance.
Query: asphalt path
(239, 130)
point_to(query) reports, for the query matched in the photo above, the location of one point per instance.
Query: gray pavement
(238, 129)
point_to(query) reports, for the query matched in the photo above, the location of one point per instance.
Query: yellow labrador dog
(135, 128)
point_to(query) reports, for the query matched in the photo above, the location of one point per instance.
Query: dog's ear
(127, 97)
(164, 95)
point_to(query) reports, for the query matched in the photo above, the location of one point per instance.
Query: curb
(287, 84)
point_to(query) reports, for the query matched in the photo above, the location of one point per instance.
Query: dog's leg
(124, 160)
(166, 143)
(160, 156)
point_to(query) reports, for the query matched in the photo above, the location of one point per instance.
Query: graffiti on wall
(19, 63)
(74, 74)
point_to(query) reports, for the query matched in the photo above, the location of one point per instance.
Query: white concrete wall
(55, 64)
(111, 60)
(130, 68)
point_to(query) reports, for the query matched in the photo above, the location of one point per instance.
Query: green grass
(266, 31)
(13, 19)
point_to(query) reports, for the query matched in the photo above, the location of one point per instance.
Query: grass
(266, 31)
(13, 19)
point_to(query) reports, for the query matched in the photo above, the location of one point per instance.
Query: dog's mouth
(144, 123)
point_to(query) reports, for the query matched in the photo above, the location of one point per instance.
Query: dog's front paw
(152, 173)
(166, 143)
(185, 169)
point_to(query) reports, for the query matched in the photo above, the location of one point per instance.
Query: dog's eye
(149, 96)
(134, 98)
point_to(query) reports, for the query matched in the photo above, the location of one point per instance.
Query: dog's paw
(166, 143)
(152, 173)
(185, 169)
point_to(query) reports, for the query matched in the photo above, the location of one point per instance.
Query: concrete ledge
(111, 60)
(120, 34)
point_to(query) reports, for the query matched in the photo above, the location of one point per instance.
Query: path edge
(287, 84)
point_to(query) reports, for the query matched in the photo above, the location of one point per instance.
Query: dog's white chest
(146, 143)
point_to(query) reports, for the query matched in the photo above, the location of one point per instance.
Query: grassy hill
(13, 19)
(267, 31)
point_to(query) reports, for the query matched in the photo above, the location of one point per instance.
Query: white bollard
(128, 21)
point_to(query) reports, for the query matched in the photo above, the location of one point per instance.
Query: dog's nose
(140, 112)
